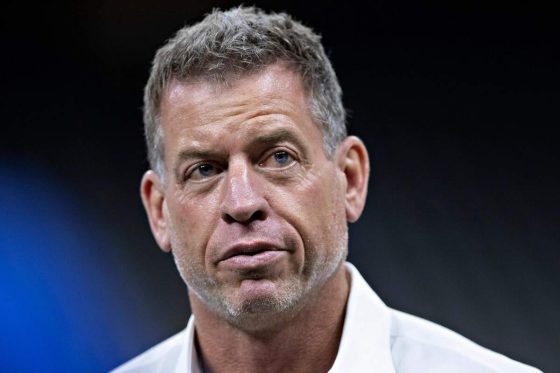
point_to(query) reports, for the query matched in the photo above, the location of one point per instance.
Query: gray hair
(228, 44)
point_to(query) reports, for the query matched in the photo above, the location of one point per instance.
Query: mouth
(251, 255)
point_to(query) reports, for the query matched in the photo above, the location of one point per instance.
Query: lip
(251, 255)
(248, 248)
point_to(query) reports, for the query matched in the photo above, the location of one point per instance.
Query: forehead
(276, 89)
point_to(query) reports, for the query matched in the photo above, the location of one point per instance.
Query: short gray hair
(228, 44)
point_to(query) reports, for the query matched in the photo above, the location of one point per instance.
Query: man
(253, 182)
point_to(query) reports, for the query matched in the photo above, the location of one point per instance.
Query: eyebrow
(275, 137)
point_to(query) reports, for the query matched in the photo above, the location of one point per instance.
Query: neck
(306, 342)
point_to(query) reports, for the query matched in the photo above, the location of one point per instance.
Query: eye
(202, 171)
(278, 159)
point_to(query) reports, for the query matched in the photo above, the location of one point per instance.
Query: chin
(259, 310)
(260, 315)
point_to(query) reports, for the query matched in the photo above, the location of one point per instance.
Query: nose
(243, 201)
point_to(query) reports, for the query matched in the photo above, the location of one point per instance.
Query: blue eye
(279, 159)
(282, 158)
(203, 171)
(206, 169)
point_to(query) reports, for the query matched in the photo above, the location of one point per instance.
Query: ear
(153, 198)
(353, 161)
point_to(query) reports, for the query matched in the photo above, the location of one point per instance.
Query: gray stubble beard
(259, 313)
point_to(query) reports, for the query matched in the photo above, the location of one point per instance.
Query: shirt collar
(365, 342)
(188, 360)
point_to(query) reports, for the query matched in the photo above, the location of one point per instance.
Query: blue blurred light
(54, 280)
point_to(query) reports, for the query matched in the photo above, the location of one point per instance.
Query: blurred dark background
(457, 102)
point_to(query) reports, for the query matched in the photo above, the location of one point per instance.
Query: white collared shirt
(374, 338)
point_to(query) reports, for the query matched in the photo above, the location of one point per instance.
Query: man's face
(253, 209)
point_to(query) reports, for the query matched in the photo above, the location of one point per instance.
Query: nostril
(229, 219)
(257, 215)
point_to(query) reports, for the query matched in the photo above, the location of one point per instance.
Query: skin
(256, 216)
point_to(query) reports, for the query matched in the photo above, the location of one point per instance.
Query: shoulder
(161, 358)
(421, 345)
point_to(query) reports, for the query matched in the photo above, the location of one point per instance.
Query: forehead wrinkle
(230, 112)
(254, 124)
(194, 99)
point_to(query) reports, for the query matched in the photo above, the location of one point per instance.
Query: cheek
(316, 208)
(191, 221)
(324, 197)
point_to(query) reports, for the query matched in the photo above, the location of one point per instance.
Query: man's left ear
(353, 161)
